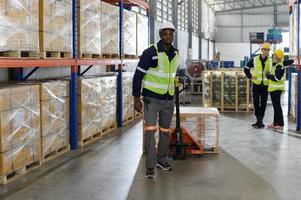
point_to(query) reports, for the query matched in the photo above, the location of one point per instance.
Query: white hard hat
(167, 25)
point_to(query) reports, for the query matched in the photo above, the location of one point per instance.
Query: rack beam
(13, 63)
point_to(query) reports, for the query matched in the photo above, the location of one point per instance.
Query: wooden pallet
(19, 54)
(128, 120)
(138, 115)
(214, 150)
(90, 56)
(130, 56)
(14, 175)
(54, 154)
(107, 129)
(55, 54)
(90, 139)
(112, 56)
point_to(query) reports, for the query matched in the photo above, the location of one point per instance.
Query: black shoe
(261, 125)
(165, 167)
(150, 173)
(255, 124)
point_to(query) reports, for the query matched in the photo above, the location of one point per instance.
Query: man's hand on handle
(138, 104)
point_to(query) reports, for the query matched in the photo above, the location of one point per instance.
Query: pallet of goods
(55, 115)
(97, 107)
(130, 34)
(142, 34)
(20, 130)
(202, 124)
(227, 90)
(294, 95)
(89, 37)
(55, 28)
(109, 30)
(128, 103)
(19, 28)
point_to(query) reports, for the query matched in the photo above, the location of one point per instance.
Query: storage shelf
(140, 3)
(15, 62)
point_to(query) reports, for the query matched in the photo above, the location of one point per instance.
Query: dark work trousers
(154, 108)
(278, 115)
(260, 98)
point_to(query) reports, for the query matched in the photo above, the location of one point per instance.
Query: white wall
(233, 51)
(195, 47)
(183, 47)
(204, 49)
(3, 74)
(211, 50)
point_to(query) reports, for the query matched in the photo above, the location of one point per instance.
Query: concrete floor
(252, 165)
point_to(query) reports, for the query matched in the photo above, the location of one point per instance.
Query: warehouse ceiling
(232, 5)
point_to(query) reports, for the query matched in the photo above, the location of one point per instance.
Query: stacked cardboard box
(90, 27)
(55, 115)
(128, 103)
(55, 26)
(97, 105)
(142, 34)
(109, 29)
(20, 127)
(202, 124)
(130, 34)
(19, 25)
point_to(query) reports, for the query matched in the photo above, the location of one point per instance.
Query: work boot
(255, 125)
(260, 124)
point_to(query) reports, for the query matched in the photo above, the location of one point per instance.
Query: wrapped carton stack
(128, 103)
(20, 130)
(19, 28)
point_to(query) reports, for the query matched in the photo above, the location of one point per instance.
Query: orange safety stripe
(165, 129)
(150, 128)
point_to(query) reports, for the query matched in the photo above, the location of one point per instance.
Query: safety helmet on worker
(266, 46)
(167, 25)
(279, 54)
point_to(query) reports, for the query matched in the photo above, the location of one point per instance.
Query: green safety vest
(276, 85)
(257, 71)
(161, 79)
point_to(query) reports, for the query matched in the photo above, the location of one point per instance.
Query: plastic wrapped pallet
(229, 85)
(55, 114)
(128, 102)
(130, 34)
(206, 77)
(202, 124)
(20, 127)
(142, 33)
(97, 105)
(216, 88)
(109, 31)
(19, 26)
(293, 99)
(56, 28)
(90, 28)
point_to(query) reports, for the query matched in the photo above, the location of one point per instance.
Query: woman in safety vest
(276, 87)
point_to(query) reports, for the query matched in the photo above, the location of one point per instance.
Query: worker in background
(256, 70)
(276, 77)
(155, 73)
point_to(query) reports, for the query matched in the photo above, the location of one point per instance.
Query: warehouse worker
(255, 70)
(276, 77)
(155, 73)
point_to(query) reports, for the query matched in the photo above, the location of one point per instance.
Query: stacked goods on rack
(55, 114)
(97, 107)
(20, 130)
(294, 31)
(89, 14)
(293, 99)
(229, 92)
(142, 34)
(202, 124)
(231, 85)
(19, 28)
(130, 34)
(128, 103)
(109, 30)
(56, 28)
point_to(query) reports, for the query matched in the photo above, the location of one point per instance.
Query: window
(183, 16)
(164, 10)
(195, 17)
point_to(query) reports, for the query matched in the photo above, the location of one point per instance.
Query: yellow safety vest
(276, 85)
(257, 71)
(161, 79)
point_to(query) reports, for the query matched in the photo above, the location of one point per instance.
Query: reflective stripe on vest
(276, 85)
(161, 78)
(258, 73)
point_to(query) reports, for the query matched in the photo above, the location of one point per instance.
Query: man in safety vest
(155, 74)
(256, 70)
(276, 77)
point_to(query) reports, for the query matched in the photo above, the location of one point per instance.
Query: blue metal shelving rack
(75, 63)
